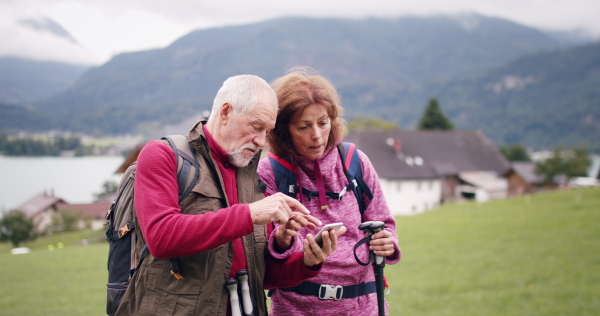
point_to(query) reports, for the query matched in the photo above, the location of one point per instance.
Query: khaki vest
(154, 291)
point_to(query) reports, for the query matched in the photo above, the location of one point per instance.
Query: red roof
(39, 203)
(96, 210)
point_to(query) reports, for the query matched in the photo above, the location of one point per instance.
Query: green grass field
(537, 255)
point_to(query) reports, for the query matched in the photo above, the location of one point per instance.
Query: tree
(578, 162)
(108, 187)
(65, 220)
(370, 123)
(569, 163)
(515, 152)
(16, 228)
(433, 118)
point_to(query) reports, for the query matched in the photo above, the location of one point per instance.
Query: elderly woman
(307, 131)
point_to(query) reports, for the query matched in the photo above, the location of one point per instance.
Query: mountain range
(514, 83)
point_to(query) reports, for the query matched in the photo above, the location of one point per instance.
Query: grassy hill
(535, 255)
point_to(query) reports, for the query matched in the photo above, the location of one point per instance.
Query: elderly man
(224, 226)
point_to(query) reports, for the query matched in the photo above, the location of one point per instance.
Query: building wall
(517, 185)
(43, 220)
(94, 224)
(449, 184)
(409, 197)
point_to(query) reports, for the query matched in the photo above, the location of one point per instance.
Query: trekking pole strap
(358, 244)
(322, 290)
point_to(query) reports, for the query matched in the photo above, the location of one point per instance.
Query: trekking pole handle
(371, 228)
(232, 285)
(242, 276)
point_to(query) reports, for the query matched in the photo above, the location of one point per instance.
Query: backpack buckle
(342, 193)
(331, 292)
(126, 229)
(292, 189)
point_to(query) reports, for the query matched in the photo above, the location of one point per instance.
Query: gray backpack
(127, 246)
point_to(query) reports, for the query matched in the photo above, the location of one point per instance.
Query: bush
(65, 220)
(16, 228)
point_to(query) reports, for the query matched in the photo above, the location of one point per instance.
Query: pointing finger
(295, 205)
(308, 220)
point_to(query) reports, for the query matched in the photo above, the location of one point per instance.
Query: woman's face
(311, 132)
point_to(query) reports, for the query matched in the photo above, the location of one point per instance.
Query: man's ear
(225, 112)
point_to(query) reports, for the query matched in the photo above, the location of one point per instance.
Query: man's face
(246, 134)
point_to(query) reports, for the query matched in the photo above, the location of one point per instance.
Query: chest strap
(310, 194)
(336, 292)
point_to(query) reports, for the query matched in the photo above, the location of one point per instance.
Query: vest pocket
(167, 295)
(207, 200)
(161, 280)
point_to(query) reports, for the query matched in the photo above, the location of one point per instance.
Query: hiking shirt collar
(318, 176)
(218, 153)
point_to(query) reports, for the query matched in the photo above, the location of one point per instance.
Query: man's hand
(313, 254)
(276, 208)
(285, 233)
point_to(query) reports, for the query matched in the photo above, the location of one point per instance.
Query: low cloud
(100, 29)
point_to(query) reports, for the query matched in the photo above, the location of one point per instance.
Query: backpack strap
(187, 175)
(353, 171)
(286, 182)
(285, 179)
(129, 226)
(187, 164)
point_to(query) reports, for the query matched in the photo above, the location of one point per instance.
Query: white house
(418, 170)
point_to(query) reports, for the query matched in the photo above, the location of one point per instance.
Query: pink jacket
(341, 267)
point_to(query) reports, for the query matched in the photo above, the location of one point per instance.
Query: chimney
(396, 144)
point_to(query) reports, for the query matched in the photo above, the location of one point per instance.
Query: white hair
(243, 93)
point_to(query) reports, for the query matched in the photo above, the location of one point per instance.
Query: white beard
(238, 157)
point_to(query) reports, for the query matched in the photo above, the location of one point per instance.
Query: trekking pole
(232, 286)
(371, 228)
(242, 276)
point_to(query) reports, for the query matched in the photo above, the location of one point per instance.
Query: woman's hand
(382, 244)
(285, 233)
(313, 254)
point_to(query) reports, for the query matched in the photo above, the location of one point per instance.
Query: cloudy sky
(92, 31)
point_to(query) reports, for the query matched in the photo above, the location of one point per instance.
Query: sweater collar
(309, 164)
(312, 168)
(216, 150)
(199, 139)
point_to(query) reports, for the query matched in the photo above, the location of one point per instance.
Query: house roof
(439, 153)
(489, 181)
(96, 210)
(527, 171)
(39, 203)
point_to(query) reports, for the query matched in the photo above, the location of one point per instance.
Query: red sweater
(157, 207)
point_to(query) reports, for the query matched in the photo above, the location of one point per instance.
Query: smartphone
(333, 227)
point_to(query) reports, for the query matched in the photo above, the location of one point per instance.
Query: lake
(74, 179)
